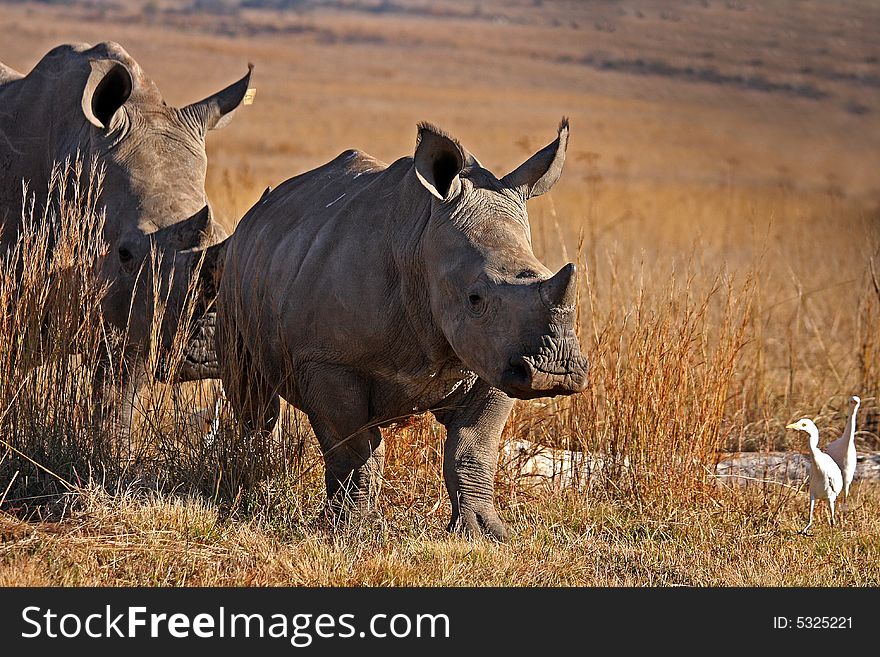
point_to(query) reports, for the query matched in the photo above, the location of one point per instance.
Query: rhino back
(314, 276)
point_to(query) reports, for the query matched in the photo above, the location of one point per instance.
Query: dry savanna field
(720, 196)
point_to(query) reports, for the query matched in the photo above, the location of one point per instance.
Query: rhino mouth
(199, 358)
(554, 368)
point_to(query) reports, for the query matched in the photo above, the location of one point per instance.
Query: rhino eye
(125, 256)
(476, 304)
(527, 273)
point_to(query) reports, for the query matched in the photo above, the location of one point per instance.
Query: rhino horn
(217, 110)
(189, 233)
(541, 171)
(107, 88)
(560, 292)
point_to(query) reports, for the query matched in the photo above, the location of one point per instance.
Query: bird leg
(810, 523)
(831, 506)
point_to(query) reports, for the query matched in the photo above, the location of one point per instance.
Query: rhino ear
(187, 234)
(212, 269)
(439, 159)
(216, 111)
(541, 171)
(107, 88)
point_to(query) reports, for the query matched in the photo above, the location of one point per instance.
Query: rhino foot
(353, 522)
(477, 523)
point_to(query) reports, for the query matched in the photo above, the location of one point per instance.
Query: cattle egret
(826, 482)
(843, 450)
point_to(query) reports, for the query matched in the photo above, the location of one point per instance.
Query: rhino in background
(95, 102)
(364, 293)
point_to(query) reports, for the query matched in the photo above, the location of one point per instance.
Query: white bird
(843, 450)
(826, 481)
(205, 422)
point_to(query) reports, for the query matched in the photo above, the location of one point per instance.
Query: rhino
(364, 294)
(96, 103)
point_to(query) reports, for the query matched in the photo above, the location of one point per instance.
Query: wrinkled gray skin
(364, 293)
(97, 102)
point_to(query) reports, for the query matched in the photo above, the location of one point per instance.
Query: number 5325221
(823, 622)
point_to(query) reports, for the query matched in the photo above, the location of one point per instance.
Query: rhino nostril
(519, 369)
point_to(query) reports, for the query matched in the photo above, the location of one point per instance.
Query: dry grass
(566, 540)
(730, 252)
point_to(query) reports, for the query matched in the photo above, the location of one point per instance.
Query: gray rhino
(364, 293)
(97, 103)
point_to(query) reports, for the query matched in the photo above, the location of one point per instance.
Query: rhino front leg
(474, 421)
(116, 392)
(337, 404)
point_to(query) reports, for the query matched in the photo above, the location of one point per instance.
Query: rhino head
(158, 220)
(170, 272)
(507, 317)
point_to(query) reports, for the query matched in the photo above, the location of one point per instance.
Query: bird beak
(793, 425)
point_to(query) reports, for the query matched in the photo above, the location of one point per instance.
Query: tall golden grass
(683, 366)
(50, 308)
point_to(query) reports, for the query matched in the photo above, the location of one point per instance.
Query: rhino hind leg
(337, 404)
(256, 406)
(353, 469)
(474, 421)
